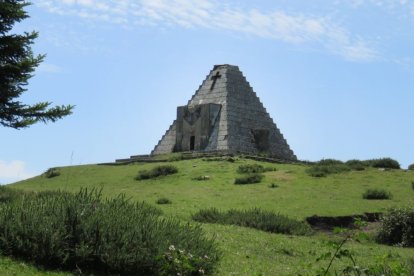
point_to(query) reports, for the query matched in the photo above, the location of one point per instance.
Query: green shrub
(157, 171)
(273, 185)
(113, 236)
(8, 194)
(356, 165)
(254, 218)
(163, 200)
(254, 168)
(202, 178)
(251, 168)
(329, 162)
(411, 167)
(212, 215)
(376, 194)
(51, 172)
(249, 179)
(386, 163)
(397, 227)
(412, 185)
(324, 170)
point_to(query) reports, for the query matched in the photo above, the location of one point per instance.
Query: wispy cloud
(278, 25)
(13, 171)
(48, 68)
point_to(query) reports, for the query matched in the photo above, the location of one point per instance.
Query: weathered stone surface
(225, 114)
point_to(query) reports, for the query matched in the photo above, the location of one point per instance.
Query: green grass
(248, 251)
(10, 267)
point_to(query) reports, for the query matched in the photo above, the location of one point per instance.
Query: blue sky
(336, 76)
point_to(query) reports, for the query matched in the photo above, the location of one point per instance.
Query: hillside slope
(248, 251)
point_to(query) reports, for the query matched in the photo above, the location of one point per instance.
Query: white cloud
(13, 171)
(48, 68)
(278, 25)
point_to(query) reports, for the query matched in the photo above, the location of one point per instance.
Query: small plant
(249, 179)
(254, 218)
(179, 262)
(376, 194)
(51, 172)
(157, 171)
(384, 265)
(163, 200)
(412, 185)
(397, 227)
(273, 185)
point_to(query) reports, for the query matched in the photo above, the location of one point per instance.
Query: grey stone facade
(224, 114)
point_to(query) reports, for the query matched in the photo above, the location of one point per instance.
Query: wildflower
(201, 271)
(205, 257)
(181, 251)
(171, 248)
(190, 255)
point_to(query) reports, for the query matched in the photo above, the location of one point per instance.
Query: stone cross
(214, 78)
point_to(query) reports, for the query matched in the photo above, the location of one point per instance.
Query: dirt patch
(321, 223)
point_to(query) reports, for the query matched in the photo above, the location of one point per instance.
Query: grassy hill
(248, 251)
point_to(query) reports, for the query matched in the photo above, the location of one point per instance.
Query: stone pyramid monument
(224, 114)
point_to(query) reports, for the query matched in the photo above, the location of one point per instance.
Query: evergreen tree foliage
(17, 63)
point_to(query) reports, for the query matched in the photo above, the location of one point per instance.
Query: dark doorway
(192, 142)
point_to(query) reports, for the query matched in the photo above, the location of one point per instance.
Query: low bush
(412, 185)
(376, 194)
(386, 163)
(249, 179)
(157, 171)
(411, 167)
(253, 168)
(329, 162)
(8, 194)
(250, 168)
(325, 167)
(51, 172)
(356, 165)
(114, 236)
(324, 170)
(163, 200)
(273, 185)
(397, 227)
(254, 218)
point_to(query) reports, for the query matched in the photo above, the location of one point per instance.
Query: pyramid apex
(217, 66)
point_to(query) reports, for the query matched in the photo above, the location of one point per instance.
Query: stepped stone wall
(242, 125)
